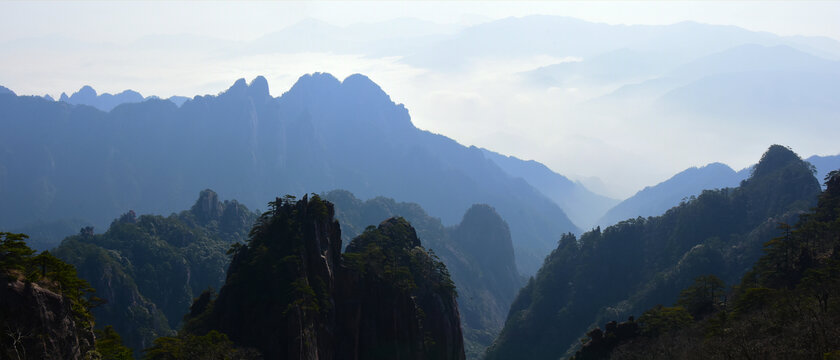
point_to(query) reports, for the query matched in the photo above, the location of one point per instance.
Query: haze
(629, 112)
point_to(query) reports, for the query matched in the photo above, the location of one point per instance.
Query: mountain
(5, 90)
(478, 252)
(149, 268)
(655, 200)
(79, 162)
(581, 205)
(636, 264)
(788, 289)
(105, 102)
(824, 165)
(290, 293)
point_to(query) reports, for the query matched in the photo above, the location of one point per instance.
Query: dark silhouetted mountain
(633, 265)
(655, 200)
(478, 253)
(789, 289)
(291, 294)
(149, 268)
(581, 205)
(78, 162)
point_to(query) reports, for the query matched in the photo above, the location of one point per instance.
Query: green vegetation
(211, 346)
(638, 263)
(109, 345)
(290, 292)
(787, 306)
(19, 262)
(478, 253)
(149, 268)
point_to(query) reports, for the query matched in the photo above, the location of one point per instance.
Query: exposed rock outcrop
(291, 294)
(37, 323)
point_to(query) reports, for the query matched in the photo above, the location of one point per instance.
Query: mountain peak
(208, 206)
(258, 86)
(776, 157)
(86, 91)
(318, 82)
(238, 86)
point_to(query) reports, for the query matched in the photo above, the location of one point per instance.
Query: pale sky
(54, 47)
(122, 20)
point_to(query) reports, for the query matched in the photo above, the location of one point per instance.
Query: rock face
(38, 324)
(478, 254)
(291, 294)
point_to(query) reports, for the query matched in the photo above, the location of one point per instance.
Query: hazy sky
(54, 47)
(121, 20)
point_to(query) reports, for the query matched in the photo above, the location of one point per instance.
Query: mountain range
(77, 162)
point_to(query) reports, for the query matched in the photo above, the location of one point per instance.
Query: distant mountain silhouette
(655, 200)
(152, 157)
(824, 165)
(581, 205)
(5, 90)
(107, 102)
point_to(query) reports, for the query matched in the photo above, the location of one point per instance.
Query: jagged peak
(258, 86)
(208, 206)
(238, 86)
(310, 82)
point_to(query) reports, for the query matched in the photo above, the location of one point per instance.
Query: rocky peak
(207, 207)
(290, 294)
(258, 87)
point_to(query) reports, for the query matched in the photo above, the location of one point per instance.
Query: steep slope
(784, 307)
(639, 263)
(655, 200)
(478, 253)
(581, 205)
(44, 306)
(290, 293)
(320, 135)
(149, 268)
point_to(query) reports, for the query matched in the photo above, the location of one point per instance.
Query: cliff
(38, 323)
(290, 293)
